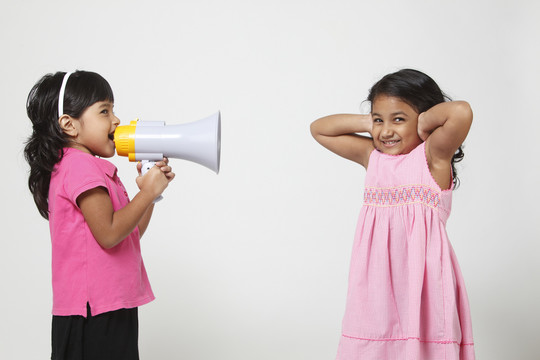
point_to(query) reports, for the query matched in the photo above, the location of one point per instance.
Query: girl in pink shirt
(98, 274)
(406, 297)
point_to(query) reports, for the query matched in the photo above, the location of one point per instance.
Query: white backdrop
(252, 263)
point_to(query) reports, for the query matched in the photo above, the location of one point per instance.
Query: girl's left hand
(423, 130)
(163, 165)
(166, 169)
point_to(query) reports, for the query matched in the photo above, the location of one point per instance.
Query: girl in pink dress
(406, 298)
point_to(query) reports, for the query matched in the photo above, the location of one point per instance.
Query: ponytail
(44, 147)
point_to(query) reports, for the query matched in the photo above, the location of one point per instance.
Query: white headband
(61, 94)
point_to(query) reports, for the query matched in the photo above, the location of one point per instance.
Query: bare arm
(339, 134)
(145, 220)
(444, 127)
(110, 227)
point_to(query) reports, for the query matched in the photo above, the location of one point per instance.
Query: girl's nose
(387, 131)
(116, 120)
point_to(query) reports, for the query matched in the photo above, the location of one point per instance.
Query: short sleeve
(82, 173)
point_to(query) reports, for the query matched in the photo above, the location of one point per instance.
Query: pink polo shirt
(83, 271)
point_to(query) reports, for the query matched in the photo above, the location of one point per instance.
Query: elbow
(312, 129)
(108, 242)
(315, 130)
(465, 112)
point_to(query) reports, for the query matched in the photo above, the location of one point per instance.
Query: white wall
(252, 263)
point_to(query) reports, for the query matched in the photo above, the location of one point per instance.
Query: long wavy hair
(44, 148)
(418, 90)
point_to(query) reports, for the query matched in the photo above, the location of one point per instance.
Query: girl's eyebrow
(401, 113)
(106, 104)
(392, 114)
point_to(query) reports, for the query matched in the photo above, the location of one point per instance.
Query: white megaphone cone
(149, 141)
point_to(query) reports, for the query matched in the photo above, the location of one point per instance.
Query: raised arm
(339, 134)
(444, 127)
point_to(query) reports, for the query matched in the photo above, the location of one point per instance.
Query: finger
(162, 163)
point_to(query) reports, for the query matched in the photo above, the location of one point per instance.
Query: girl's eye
(377, 120)
(399, 119)
(105, 111)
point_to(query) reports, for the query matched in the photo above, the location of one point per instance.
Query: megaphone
(150, 141)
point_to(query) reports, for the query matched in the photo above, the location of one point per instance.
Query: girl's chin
(391, 146)
(106, 154)
(387, 152)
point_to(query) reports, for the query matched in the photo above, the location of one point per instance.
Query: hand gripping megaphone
(150, 141)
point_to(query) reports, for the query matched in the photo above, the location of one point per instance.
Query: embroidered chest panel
(403, 195)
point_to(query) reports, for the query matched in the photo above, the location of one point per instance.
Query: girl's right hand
(156, 180)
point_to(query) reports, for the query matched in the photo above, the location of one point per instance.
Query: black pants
(113, 335)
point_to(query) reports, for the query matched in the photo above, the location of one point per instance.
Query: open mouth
(390, 143)
(111, 136)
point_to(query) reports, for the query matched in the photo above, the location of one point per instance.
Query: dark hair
(419, 91)
(44, 148)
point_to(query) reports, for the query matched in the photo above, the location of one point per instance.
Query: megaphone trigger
(146, 165)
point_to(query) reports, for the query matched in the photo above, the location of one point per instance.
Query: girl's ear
(68, 125)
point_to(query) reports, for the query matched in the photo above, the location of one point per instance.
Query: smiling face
(95, 129)
(395, 125)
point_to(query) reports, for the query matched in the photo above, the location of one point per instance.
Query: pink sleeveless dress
(406, 298)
